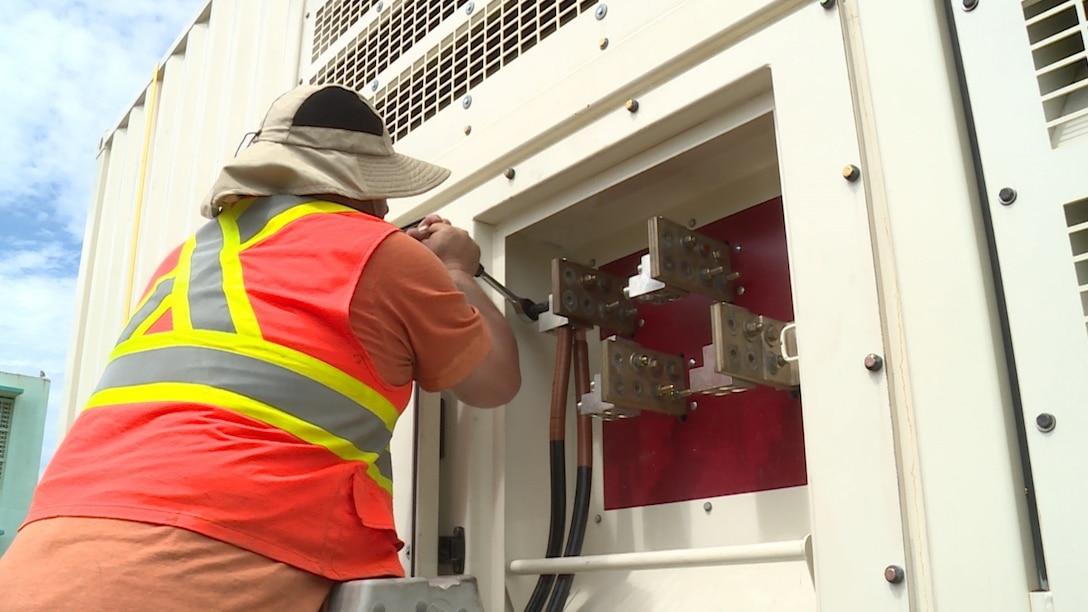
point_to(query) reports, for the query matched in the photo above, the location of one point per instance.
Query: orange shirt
(417, 324)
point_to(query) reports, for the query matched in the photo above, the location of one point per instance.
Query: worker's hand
(457, 250)
(424, 229)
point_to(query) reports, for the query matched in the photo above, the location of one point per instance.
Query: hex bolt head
(874, 362)
(827, 3)
(1046, 422)
(602, 10)
(603, 43)
(1006, 196)
(708, 506)
(894, 574)
(466, 102)
(509, 173)
(970, 5)
(851, 172)
(631, 105)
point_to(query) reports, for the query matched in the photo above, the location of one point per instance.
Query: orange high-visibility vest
(239, 404)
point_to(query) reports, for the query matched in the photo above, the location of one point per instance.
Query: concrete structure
(23, 401)
(926, 161)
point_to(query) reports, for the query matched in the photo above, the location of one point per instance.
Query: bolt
(874, 362)
(468, 130)
(466, 102)
(893, 574)
(631, 105)
(970, 5)
(827, 3)
(1045, 422)
(602, 10)
(509, 173)
(694, 405)
(597, 519)
(469, 8)
(603, 43)
(851, 172)
(740, 290)
(708, 506)
(1007, 195)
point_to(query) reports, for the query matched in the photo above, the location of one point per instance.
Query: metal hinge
(451, 550)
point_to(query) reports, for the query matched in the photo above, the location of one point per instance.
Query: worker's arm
(497, 379)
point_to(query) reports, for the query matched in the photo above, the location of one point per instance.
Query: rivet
(597, 519)
(1006, 196)
(1046, 422)
(603, 43)
(827, 3)
(708, 506)
(740, 290)
(694, 405)
(509, 173)
(874, 362)
(469, 8)
(602, 10)
(851, 172)
(468, 130)
(970, 5)
(466, 102)
(894, 574)
(631, 105)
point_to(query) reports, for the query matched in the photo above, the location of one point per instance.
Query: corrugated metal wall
(212, 87)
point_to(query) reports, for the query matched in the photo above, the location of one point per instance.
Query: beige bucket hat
(319, 139)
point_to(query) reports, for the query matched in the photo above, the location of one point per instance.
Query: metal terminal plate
(687, 260)
(645, 288)
(587, 295)
(749, 346)
(636, 377)
(706, 379)
(592, 405)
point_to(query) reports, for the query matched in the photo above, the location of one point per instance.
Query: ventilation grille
(7, 410)
(381, 44)
(1058, 32)
(491, 39)
(1076, 217)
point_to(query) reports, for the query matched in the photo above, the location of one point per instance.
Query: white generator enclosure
(829, 258)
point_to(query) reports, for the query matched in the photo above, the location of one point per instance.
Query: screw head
(374, 85)
(379, 6)
(827, 3)
(970, 5)
(603, 43)
(468, 130)
(851, 172)
(469, 8)
(691, 362)
(874, 362)
(602, 10)
(894, 574)
(691, 222)
(597, 519)
(642, 322)
(694, 405)
(1046, 422)
(631, 105)
(1006, 196)
(736, 249)
(509, 173)
(466, 102)
(708, 506)
(740, 290)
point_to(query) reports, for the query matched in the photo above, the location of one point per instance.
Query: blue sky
(71, 68)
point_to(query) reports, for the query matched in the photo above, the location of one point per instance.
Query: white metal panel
(944, 358)
(1046, 320)
(559, 139)
(216, 84)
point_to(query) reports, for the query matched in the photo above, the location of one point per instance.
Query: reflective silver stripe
(153, 302)
(262, 210)
(207, 301)
(288, 391)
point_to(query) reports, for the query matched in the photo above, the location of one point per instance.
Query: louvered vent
(7, 410)
(1058, 32)
(1076, 217)
(380, 44)
(489, 40)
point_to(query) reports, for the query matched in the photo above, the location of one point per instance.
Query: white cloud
(70, 70)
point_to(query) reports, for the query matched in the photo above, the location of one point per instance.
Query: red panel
(752, 441)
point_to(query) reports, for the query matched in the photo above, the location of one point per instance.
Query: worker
(235, 453)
